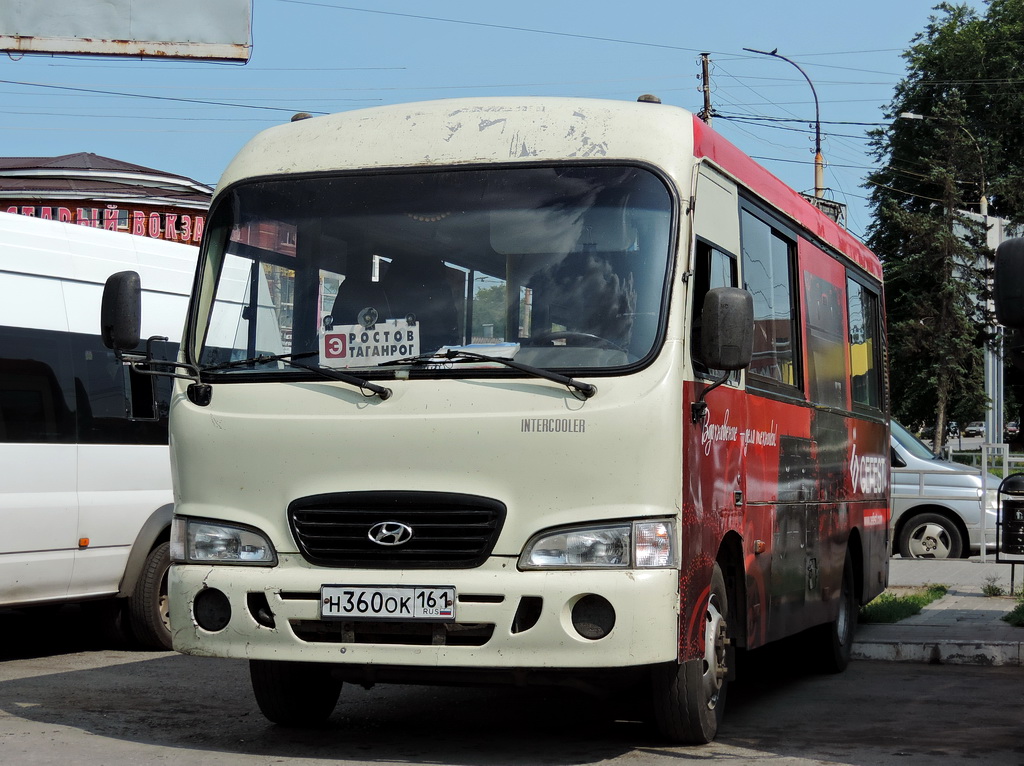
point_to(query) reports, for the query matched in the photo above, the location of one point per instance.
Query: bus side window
(36, 391)
(826, 365)
(32, 408)
(712, 268)
(141, 394)
(116, 404)
(865, 345)
(768, 256)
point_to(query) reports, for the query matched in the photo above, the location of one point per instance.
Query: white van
(85, 490)
(936, 503)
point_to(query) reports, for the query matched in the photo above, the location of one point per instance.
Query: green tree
(489, 309)
(934, 170)
(999, 108)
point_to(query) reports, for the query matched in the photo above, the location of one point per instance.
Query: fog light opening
(527, 614)
(593, 617)
(259, 608)
(211, 610)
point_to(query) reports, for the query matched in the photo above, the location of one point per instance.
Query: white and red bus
(559, 391)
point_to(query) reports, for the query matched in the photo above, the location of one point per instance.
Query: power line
(811, 162)
(506, 27)
(263, 120)
(162, 98)
(574, 35)
(797, 119)
(768, 123)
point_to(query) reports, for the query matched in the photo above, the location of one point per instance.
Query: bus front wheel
(296, 694)
(689, 697)
(147, 607)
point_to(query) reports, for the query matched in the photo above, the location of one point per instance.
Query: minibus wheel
(295, 694)
(689, 697)
(147, 606)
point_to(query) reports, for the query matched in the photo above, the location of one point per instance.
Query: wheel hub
(930, 541)
(715, 643)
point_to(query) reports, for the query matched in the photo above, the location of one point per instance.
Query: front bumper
(505, 618)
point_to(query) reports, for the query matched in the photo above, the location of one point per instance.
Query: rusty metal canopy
(183, 29)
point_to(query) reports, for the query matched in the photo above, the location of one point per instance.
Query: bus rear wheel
(833, 641)
(294, 694)
(689, 697)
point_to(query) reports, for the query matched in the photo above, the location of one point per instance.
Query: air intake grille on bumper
(412, 530)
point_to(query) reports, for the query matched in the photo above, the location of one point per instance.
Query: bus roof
(510, 130)
(470, 131)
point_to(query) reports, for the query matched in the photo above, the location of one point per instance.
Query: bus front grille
(409, 530)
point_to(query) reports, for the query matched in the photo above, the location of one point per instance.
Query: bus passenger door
(715, 486)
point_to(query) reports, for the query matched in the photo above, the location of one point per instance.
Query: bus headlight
(638, 544)
(196, 541)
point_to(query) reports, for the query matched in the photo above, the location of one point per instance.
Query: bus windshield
(557, 267)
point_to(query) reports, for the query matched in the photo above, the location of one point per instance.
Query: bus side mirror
(727, 328)
(726, 339)
(1009, 283)
(121, 311)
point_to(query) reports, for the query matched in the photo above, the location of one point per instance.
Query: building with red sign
(101, 192)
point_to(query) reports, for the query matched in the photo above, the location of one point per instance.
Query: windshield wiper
(259, 359)
(327, 372)
(455, 355)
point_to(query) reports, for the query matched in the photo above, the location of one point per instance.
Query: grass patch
(892, 607)
(1016, 615)
(992, 588)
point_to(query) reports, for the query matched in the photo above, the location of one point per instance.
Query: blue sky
(324, 56)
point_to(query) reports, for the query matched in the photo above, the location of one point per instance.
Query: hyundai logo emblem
(390, 533)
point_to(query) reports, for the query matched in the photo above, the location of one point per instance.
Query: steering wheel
(573, 338)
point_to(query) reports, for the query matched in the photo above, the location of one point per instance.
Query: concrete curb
(941, 652)
(964, 627)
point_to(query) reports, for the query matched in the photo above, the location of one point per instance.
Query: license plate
(388, 602)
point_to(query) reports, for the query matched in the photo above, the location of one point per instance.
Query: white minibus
(85, 490)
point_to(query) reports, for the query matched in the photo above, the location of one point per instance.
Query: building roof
(85, 175)
(80, 161)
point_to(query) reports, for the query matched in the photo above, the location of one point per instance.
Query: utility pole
(705, 79)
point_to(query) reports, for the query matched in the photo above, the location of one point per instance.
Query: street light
(983, 203)
(819, 160)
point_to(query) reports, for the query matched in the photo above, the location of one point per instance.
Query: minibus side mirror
(121, 311)
(121, 329)
(1009, 283)
(726, 340)
(727, 328)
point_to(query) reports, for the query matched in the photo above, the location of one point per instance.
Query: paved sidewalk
(961, 628)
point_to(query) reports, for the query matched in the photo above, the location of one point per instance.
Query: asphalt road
(962, 443)
(65, 698)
